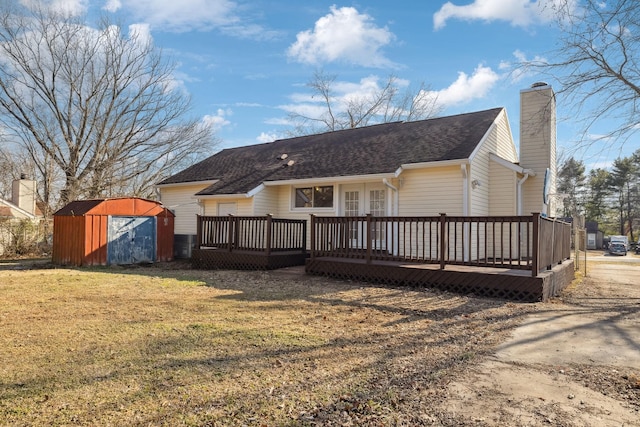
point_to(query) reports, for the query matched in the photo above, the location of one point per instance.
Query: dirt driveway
(568, 364)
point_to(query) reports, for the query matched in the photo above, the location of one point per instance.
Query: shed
(112, 231)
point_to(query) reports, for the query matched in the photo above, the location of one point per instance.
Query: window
(314, 197)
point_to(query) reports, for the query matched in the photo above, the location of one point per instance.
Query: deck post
(269, 230)
(304, 237)
(198, 230)
(369, 235)
(535, 244)
(443, 239)
(313, 236)
(230, 229)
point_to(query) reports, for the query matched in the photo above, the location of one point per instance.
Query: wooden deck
(504, 283)
(522, 258)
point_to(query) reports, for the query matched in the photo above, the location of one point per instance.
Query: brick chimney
(538, 146)
(23, 194)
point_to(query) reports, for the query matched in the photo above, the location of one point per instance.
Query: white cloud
(520, 13)
(183, 15)
(65, 7)
(467, 88)
(266, 137)
(219, 120)
(344, 35)
(520, 68)
(112, 5)
(343, 93)
(141, 33)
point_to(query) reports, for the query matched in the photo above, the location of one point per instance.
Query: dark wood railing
(516, 242)
(251, 233)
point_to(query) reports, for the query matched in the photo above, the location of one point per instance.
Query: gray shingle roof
(368, 150)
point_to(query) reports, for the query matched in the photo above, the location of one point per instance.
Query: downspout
(396, 201)
(519, 189)
(466, 232)
(395, 209)
(465, 190)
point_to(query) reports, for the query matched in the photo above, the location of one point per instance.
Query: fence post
(443, 239)
(313, 236)
(269, 230)
(369, 234)
(535, 244)
(198, 230)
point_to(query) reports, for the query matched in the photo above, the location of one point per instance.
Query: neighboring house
(22, 207)
(464, 164)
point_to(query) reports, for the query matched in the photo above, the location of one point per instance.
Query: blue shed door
(131, 239)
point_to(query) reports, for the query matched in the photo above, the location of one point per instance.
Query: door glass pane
(377, 208)
(352, 203)
(352, 208)
(376, 202)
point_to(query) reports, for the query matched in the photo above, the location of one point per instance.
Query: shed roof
(368, 150)
(113, 206)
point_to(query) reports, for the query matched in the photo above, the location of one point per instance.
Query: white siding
(180, 199)
(266, 202)
(498, 141)
(245, 206)
(431, 191)
(506, 147)
(502, 195)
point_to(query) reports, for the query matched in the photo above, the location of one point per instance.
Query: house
(466, 165)
(21, 209)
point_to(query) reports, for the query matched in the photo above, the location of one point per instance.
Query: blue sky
(246, 63)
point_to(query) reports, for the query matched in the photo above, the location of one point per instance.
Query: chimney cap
(539, 84)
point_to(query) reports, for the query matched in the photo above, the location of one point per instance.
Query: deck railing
(516, 242)
(251, 233)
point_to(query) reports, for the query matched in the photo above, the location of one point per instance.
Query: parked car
(617, 249)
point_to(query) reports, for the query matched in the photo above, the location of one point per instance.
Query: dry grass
(157, 346)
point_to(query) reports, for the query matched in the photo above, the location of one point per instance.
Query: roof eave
(18, 209)
(330, 179)
(437, 164)
(509, 165)
(188, 183)
(220, 196)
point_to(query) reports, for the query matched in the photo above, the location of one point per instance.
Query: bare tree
(596, 64)
(95, 105)
(387, 103)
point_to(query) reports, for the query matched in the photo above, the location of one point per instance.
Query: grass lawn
(159, 346)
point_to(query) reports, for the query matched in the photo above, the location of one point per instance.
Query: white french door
(352, 203)
(361, 199)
